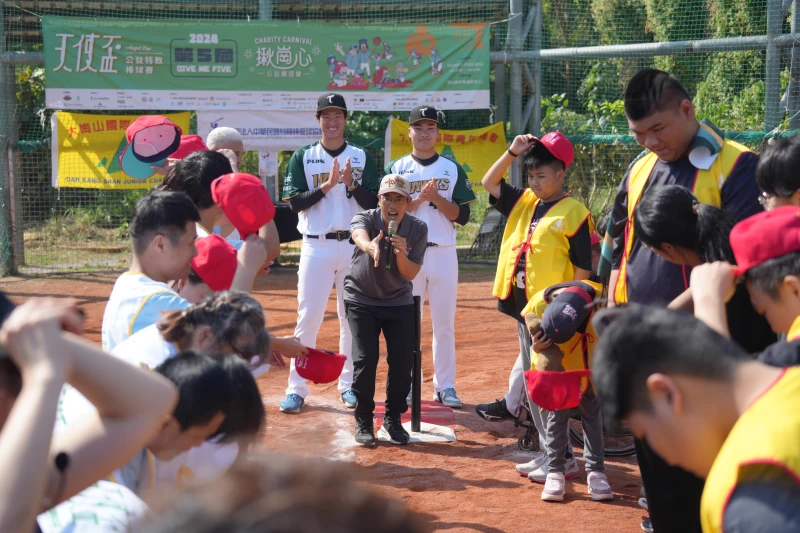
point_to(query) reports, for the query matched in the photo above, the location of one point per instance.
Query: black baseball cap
(331, 100)
(423, 112)
(567, 312)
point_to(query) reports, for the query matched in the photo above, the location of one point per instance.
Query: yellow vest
(766, 434)
(706, 187)
(579, 350)
(548, 261)
(794, 331)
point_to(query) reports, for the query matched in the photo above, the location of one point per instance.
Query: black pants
(366, 323)
(673, 494)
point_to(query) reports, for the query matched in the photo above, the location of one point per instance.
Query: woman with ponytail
(673, 224)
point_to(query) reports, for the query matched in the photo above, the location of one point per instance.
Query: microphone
(392, 231)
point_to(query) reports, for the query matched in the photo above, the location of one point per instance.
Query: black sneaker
(494, 411)
(365, 435)
(393, 429)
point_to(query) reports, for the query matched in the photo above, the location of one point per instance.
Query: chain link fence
(739, 66)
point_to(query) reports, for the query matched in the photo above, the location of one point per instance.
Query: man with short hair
(706, 406)
(326, 200)
(163, 235)
(682, 151)
(441, 194)
(225, 138)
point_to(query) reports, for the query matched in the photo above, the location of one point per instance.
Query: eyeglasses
(393, 201)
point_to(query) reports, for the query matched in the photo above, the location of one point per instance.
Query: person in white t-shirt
(163, 235)
(441, 194)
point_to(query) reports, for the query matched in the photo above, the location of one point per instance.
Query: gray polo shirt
(370, 285)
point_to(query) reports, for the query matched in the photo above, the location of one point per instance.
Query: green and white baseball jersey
(452, 183)
(309, 167)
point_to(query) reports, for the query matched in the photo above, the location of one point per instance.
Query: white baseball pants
(324, 263)
(438, 277)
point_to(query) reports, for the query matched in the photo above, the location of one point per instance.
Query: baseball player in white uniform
(441, 195)
(326, 183)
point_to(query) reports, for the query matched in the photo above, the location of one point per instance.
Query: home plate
(437, 423)
(427, 433)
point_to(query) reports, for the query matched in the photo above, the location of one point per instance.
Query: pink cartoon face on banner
(153, 140)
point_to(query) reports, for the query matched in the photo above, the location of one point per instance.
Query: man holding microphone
(390, 246)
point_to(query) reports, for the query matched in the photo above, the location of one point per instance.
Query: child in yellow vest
(766, 247)
(706, 406)
(558, 319)
(547, 240)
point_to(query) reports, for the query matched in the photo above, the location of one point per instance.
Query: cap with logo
(395, 183)
(765, 236)
(566, 313)
(558, 145)
(215, 262)
(189, 145)
(423, 112)
(244, 200)
(331, 101)
(151, 140)
(320, 366)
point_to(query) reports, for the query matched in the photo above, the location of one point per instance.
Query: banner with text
(264, 130)
(475, 150)
(86, 148)
(127, 64)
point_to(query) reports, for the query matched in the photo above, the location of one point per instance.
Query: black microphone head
(392, 227)
(62, 461)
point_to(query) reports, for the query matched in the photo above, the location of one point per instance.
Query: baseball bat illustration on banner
(392, 231)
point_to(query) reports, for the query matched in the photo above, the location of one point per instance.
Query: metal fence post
(7, 126)
(515, 105)
(772, 114)
(500, 96)
(793, 98)
(535, 125)
(264, 9)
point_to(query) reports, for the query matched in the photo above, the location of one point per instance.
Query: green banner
(127, 64)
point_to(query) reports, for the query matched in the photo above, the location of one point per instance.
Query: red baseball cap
(555, 391)
(559, 146)
(244, 200)
(320, 366)
(189, 144)
(765, 236)
(151, 139)
(215, 262)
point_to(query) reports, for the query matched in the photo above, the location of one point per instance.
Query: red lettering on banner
(448, 138)
(493, 138)
(485, 135)
(471, 138)
(98, 126)
(111, 125)
(85, 128)
(72, 131)
(461, 139)
(123, 124)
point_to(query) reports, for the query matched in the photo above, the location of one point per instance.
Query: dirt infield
(469, 485)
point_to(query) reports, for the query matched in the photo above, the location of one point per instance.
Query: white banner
(264, 130)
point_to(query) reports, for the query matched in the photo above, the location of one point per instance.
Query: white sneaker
(554, 488)
(599, 487)
(540, 474)
(524, 469)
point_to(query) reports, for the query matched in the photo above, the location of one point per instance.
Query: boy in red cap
(559, 321)
(547, 240)
(767, 251)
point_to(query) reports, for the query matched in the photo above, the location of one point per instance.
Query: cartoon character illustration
(387, 51)
(414, 57)
(400, 72)
(436, 62)
(350, 58)
(363, 56)
(332, 64)
(340, 79)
